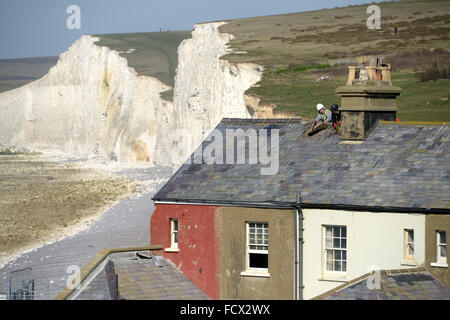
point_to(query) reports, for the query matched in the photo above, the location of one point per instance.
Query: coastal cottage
(318, 212)
(331, 213)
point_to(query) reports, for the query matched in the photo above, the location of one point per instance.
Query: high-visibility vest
(325, 116)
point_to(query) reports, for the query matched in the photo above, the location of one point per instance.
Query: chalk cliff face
(207, 88)
(92, 103)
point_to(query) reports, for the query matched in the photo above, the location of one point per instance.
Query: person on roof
(335, 116)
(324, 114)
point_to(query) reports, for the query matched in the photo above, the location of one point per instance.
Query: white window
(335, 251)
(174, 233)
(441, 240)
(409, 244)
(258, 246)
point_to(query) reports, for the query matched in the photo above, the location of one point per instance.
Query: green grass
(322, 37)
(314, 36)
(301, 68)
(155, 53)
(13, 151)
(299, 93)
(422, 101)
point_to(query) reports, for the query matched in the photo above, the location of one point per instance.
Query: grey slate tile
(406, 284)
(405, 166)
(143, 280)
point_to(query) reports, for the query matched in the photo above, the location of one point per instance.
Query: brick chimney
(368, 97)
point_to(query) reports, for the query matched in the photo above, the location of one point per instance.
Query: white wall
(373, 239)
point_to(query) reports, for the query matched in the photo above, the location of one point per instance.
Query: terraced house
(376, 196)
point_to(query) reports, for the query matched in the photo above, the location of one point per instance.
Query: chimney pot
(366, 101)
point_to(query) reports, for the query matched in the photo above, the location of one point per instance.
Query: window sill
(408, 263)
(172, 250)
(260, 274)
(439, 264)
(334, 278)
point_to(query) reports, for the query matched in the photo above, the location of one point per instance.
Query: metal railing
(21, 285)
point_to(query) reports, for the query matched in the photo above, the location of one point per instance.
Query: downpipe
(298, 249)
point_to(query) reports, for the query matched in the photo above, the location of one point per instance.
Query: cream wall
(373, 239)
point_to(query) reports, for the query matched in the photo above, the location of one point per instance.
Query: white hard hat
(320, 106)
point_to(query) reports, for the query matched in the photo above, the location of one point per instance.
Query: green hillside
(287, 44)
(15, 73)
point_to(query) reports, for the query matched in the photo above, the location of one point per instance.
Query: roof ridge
(416, 123)
(267, 120)
(390, 272)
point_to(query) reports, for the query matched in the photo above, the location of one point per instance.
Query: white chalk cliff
(92, 103)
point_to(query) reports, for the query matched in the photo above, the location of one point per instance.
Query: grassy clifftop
(152, 53)
(286, 44)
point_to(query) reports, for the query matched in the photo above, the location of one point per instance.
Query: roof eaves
(252, 204)
(303, 205)
(306, 205)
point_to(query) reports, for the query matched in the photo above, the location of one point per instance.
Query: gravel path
(127, 224)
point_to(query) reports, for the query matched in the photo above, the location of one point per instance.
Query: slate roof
(400, 284)
(399, 165)
(141, 279)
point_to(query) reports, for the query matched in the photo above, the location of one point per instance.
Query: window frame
(325, 249)
(407, 246)
(255, 271)
(173, 245)
(439, 244)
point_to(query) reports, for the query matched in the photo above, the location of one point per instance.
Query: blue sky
(30, 28)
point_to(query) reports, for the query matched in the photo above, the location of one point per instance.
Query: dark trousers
(335, 117)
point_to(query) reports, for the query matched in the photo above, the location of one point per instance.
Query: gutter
(305, 205)
(376, 208)
(223, 203)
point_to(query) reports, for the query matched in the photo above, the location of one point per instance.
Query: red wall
(198, 242)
